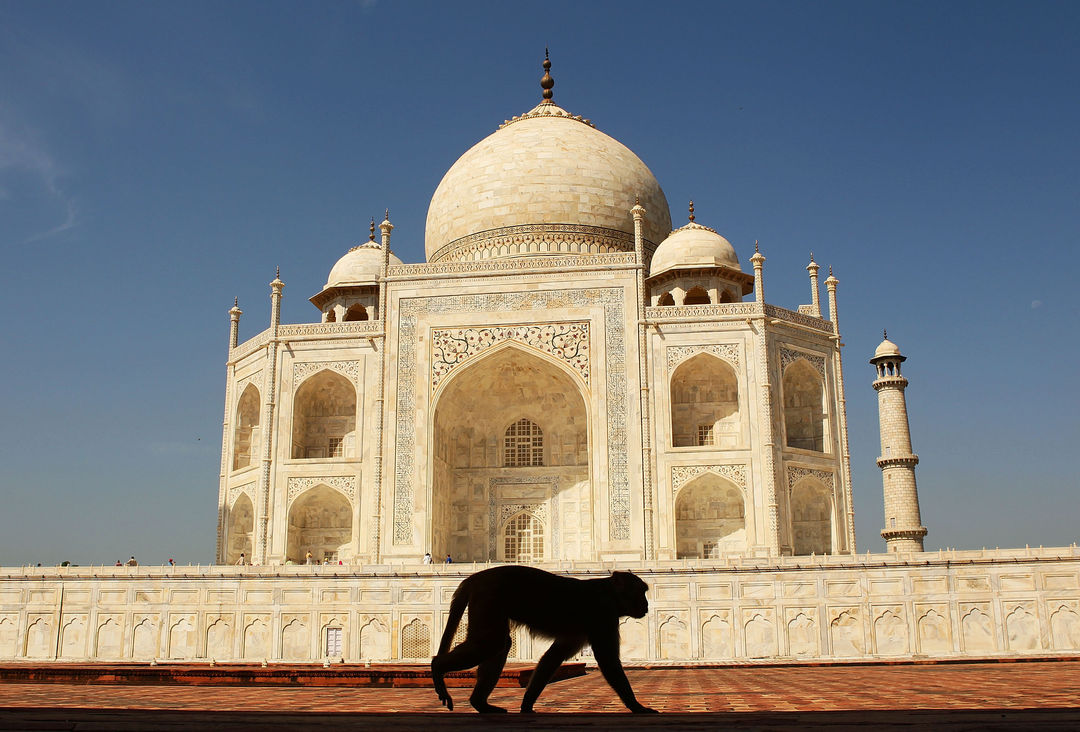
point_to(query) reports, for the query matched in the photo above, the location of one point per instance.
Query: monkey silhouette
(571, 612)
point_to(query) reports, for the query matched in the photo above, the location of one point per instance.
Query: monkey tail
(457, 608)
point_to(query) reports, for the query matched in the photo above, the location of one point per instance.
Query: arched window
(804, 413)
(356, 312)
(666, 299)
(726, 296)
(246, 437)
(704, 403)
(324, 417)
(523, 445)
(696, 296)
(331, 316)
(523, 539)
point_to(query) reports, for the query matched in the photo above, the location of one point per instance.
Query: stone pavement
(949, 696)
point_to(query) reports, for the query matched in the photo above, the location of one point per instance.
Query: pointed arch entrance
(241, 526)
(710, 518)
(320, 523)
(510, 437)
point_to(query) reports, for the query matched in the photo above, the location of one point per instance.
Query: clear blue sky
(158, 159)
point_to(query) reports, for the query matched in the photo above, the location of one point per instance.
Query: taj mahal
(573, 380)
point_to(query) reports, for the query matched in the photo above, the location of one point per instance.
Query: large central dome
(546, 182)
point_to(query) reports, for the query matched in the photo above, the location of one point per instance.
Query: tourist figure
(308, 558)
(242, 560)
(132, 563)
(173, 564)
(449, 560)
(427, 558)
(119, 563)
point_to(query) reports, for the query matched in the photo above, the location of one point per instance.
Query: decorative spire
(811, 256)
(277, 273)
(756, 250)
(387, 214)
(884, 334)
(546, 82)
(236, 302)
(691, 211)
(371, 230)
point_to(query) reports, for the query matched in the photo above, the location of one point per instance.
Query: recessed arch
(705, 403)
(472, 480)
(320, 523)
(811, 518)
(666, 300)
(710, 518)
(246, 431)
(804, 406)
(324, 417)
(241, 527)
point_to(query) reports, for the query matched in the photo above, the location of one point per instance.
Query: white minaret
(903, 531)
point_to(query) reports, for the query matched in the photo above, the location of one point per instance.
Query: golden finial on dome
(546, 82)
(387, 214)
(691, 212)
(236, 302)
(756, 250)
(277, 273)
(371, 230)
(884, 334)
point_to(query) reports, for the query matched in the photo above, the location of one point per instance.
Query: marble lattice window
(523, 540)
(523, 445)
(336, 447)
(705, 435)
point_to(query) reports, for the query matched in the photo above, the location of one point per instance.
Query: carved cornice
(791, 316)
(682, 474)
(344, 484)
(567, 342)
(250, 346)
(789, 356)
(727, 351)
(795, 474)
(350, 329)
(510, 266)
(662, 313)
(348, 369)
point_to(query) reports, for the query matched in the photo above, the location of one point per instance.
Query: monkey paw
(485, 708)
(640, 709)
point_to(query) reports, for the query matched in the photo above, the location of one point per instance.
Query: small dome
(359, 266)
(693, 246)
(887, 349)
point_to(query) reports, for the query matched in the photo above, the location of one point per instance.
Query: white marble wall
(954, 604)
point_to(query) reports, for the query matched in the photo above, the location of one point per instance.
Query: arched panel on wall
(246, 438)
(804, 406)
(38, 637)
(296, 640)
(811, 518)
(416, 640)
(144, 639)
(73, 638)
(182, 639)
(110, 641)
(716, 640)
(219, 640)
(9, 638)
(1065, 628)
(705, 403)
(320, 523)
(256, 640)
(324, 417)
(375, 641)
(710, 518)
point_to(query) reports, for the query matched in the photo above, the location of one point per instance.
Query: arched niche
(726, 296)
(246, 433)
(471, 478)
(705, 403)
(241, 527)
(811, 518)
(324, 417)
(804, 412)
(320, 522)
(710, 518)
(355, 312)
(522, 540)
(666, 300)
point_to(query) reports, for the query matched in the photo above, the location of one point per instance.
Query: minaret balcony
(909, 461)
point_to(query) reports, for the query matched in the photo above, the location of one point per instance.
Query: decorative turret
(903, 523)
(758, 260)
(815, 294)
(234, 323)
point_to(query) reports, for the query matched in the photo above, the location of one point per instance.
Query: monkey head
(630, 591)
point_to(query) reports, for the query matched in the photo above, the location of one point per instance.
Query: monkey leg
(606, 651)
(487, 676)
(473, 650)
(554, 657)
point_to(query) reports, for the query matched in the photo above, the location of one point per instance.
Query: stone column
(376, 534)
(768, 430)
(267, 420)
(845, 452)
(226, 427)
(903, 531)
(647, 487)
